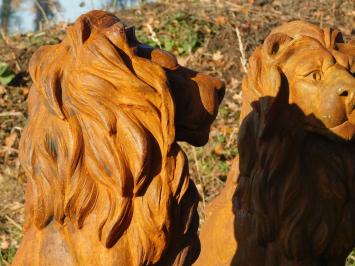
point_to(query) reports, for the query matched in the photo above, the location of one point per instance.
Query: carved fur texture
(107, 182)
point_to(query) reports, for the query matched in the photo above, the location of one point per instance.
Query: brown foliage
(294, 200)
(107, 182)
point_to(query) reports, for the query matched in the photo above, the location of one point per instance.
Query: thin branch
(200, 179)
(153, 35)
(13, 222)
(243, 59)
(11, 114)
(8, 149)
(42, 11)
(6, 41)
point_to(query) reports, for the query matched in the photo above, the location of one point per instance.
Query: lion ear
(271, 117)
(275, 44)
(80, 32)
(332, 37)
(83, 29)
(273, 84)
(46, 76)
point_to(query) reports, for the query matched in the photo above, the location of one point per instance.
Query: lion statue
(107, 182)
(290, 200)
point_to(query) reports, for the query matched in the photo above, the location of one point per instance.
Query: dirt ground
(216, 37)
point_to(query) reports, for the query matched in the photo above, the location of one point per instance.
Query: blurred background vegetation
(215, 36)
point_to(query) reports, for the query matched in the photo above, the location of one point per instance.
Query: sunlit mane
(101, 141)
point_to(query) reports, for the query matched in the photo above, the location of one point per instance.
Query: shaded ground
(212, 36)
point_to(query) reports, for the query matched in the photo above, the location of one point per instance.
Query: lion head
(99, 149)
(295, 195)
(319, 70)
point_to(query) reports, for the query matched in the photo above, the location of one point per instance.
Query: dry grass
(213, 36)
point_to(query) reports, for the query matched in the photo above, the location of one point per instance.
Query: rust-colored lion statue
(107, 182)
(291, 198)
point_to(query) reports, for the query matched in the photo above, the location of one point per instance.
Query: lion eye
(315, 75)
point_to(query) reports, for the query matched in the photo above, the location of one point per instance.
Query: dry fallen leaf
(10, 140)
(220, 20)
(234, 83)
(219, 149)
(1, 179)
(217, 56)
(4, 243)
(2, 90)
(25, 90)
(15, 206)
(225, 129)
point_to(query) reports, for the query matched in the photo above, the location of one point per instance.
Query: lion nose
(343, 92)
(220, 89)
(349, 97)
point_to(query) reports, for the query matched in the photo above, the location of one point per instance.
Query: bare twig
(243, 59)
(13, 222)
(153, 35)
(8, 209)
(113, 4)
(232, 135)
(200, 179)
(11, 114)
(57, 13)
(321, 20)
(233, 5)
(17, 128)
(42, 11)
(8, 149)
(6, 41)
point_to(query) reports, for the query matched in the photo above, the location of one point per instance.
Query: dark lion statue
(107, 182)
(290, 199)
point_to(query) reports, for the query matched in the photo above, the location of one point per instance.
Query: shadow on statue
(294, 202)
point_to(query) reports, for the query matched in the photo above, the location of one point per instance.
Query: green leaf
(6, 74)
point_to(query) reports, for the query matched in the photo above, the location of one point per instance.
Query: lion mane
(100, 141)
(295, 198)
